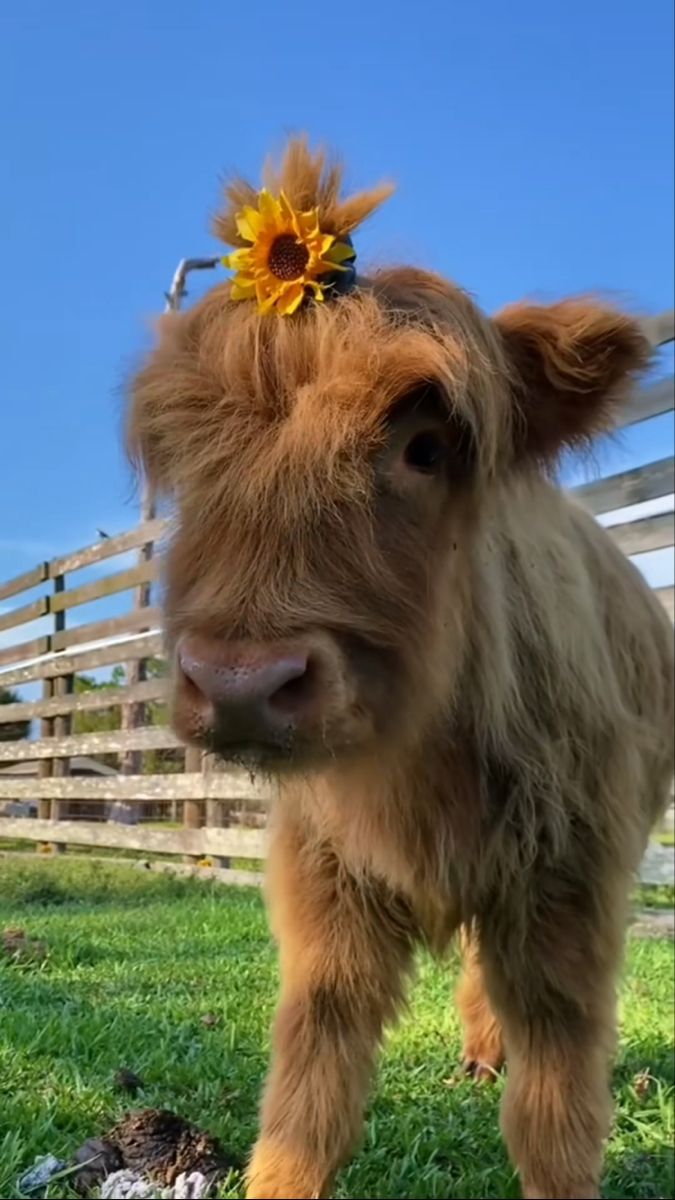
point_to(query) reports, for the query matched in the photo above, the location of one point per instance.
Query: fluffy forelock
(307, 397)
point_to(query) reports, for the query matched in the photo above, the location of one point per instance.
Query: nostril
(295, 692)
(197, 677)
(196, 696)
(217, 678)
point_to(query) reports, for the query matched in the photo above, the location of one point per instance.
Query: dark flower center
(288, 257)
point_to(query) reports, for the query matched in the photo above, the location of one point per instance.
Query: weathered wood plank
(667, 597)
(28, 612)
(193, 812)
(152, 689)
(235, 843)
(45, 769)
(133, 715)
(660, 329)
(121, 581)
(116, 741)
(148, 531)
(628, 487)
(133, 622)
(667, 822)
(161, 866)
(229, 875)
(648, 533)
(650, 873)
(649, 401)
(234, 785)
(59, 726)
(167, 866)
(87, 660)
(63, 686)
(21, 650)
(21, 583)
(658, 865)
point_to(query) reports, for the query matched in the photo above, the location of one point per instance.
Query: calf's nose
(247, 693)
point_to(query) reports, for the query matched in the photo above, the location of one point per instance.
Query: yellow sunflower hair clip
(292, 240)
(289, 257)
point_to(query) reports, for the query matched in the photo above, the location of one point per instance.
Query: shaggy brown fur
(487, 741)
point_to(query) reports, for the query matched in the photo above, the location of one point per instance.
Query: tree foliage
(12, 730)
(102, 720)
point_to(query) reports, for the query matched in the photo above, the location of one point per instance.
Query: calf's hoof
(479, 1070)
(277, 1174)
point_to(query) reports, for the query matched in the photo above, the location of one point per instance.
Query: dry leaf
(19, 947)
(642, 1082)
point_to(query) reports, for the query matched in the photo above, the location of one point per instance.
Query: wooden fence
(217, 814)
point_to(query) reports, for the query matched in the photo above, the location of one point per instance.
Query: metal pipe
(177, 291)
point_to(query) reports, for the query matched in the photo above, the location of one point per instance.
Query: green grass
(134, 963)
(658, 896)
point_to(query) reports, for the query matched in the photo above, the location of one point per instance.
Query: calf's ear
(571, 365)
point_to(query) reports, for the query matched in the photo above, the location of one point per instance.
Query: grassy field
(134, 964)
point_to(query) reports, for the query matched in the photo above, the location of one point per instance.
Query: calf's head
(331, 471)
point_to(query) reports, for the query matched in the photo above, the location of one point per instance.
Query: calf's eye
(426, 453)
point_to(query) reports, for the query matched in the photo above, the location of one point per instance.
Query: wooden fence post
(193, 810)
(58, 726)
(62, 724)
(132, 716)
(45, 765)
(217, 811)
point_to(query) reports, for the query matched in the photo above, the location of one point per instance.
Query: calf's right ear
(571, 364)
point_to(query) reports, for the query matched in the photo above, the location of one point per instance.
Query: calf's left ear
(571, 365)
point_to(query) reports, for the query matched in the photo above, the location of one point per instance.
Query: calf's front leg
(345, 947)
(551, 978)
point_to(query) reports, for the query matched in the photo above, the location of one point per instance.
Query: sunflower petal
(266, 296)
(242, 290)
(270, 209)
(290, 299)
(318, 290)
(289, 219)
(324, 265)
(324, 241)
(308, 224)
(239, 259)
(285, 207)
(249, 223)
(340, 252)
(265, 304)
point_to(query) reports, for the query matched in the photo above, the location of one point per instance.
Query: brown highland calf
(377, 594)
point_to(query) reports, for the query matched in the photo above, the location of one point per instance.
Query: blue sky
(532, 145)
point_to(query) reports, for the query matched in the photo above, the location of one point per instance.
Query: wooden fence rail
(220, 843)
(68, 771)
(234, 785)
